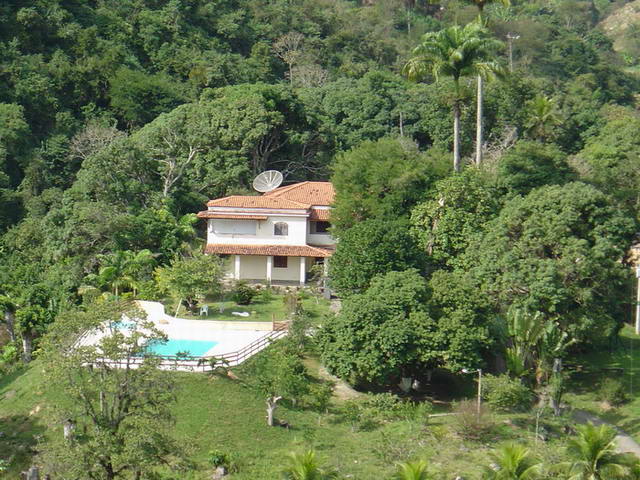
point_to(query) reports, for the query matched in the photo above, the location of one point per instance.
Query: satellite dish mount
(267, 181)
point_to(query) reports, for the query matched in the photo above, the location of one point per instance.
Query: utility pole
(479, 393)
(479, 404)
(510, 38)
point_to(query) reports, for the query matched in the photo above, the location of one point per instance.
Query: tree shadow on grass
(18, 442)
(7, 380)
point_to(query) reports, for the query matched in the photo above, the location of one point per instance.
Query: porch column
(269, 267)
(236, 272)
(303, 270)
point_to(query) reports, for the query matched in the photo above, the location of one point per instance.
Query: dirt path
(341, 390)
(624, 442)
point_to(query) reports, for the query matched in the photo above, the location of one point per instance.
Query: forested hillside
(119, 119)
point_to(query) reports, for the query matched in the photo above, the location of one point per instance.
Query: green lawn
(605, 364)
(261, 309)
(215, 413)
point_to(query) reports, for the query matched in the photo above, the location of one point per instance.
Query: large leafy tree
(382, 333)
(379, 180)
(191, 278)
(611, 159)
(454, 52)
(122, 414)
(528, 165)
(33, 316)
(371, 248)
(278, 374)
(558, 251)
(457, 210)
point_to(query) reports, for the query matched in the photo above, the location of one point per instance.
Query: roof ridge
(279, 191)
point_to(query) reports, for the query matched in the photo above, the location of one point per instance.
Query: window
(280, 262)
(320, 227)
(235, 227)
(281, 228)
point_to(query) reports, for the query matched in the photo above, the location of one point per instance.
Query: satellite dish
(267, 181)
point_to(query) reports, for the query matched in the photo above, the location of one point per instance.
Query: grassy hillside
(214, 413)
(622, 26)
(622, 363)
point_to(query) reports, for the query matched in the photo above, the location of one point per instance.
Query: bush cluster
(469, 423)
(505, 394)
(242, 293)
(612, 391)
(369, 411)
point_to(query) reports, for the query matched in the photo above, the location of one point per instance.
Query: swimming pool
(195, 348)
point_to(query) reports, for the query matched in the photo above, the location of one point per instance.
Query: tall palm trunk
(456, 136)
(27, 346)
(9, 320)
(479, 122)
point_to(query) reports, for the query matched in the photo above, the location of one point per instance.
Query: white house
(275, 237)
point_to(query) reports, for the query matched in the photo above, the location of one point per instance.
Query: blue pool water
(195, 348)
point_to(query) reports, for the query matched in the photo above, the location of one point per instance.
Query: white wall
(264, 233)
(320, 239)
(291, 273)
(253, 267)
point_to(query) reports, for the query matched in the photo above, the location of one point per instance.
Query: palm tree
(454, 52)
(303, 466)
(595, 456)
(480, 95)
(137, 264)
(122, 269)
(413, 471)
(513, 462)
(542, 115)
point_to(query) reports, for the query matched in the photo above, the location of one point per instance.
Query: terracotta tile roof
(311, 193)
(207, 214)
(246, 201)
(276, 250)
(317, 214)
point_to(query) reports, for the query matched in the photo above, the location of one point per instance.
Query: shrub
(218, 458)
(504, 394)
(468, 424)
(8, 357)
(319, 396)
(266, 294)
(292, 304)
(612, 391)
(368, 411)
(242, 293)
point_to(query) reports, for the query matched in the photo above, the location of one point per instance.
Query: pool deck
(230, 336)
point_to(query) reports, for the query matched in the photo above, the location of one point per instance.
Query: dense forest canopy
(119, 119)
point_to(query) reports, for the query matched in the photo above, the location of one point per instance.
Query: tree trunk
(272, 403)
(27, 347)
(69, 428)
(10, 320)
(456, 136)
(479, 122)
(32, 474)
